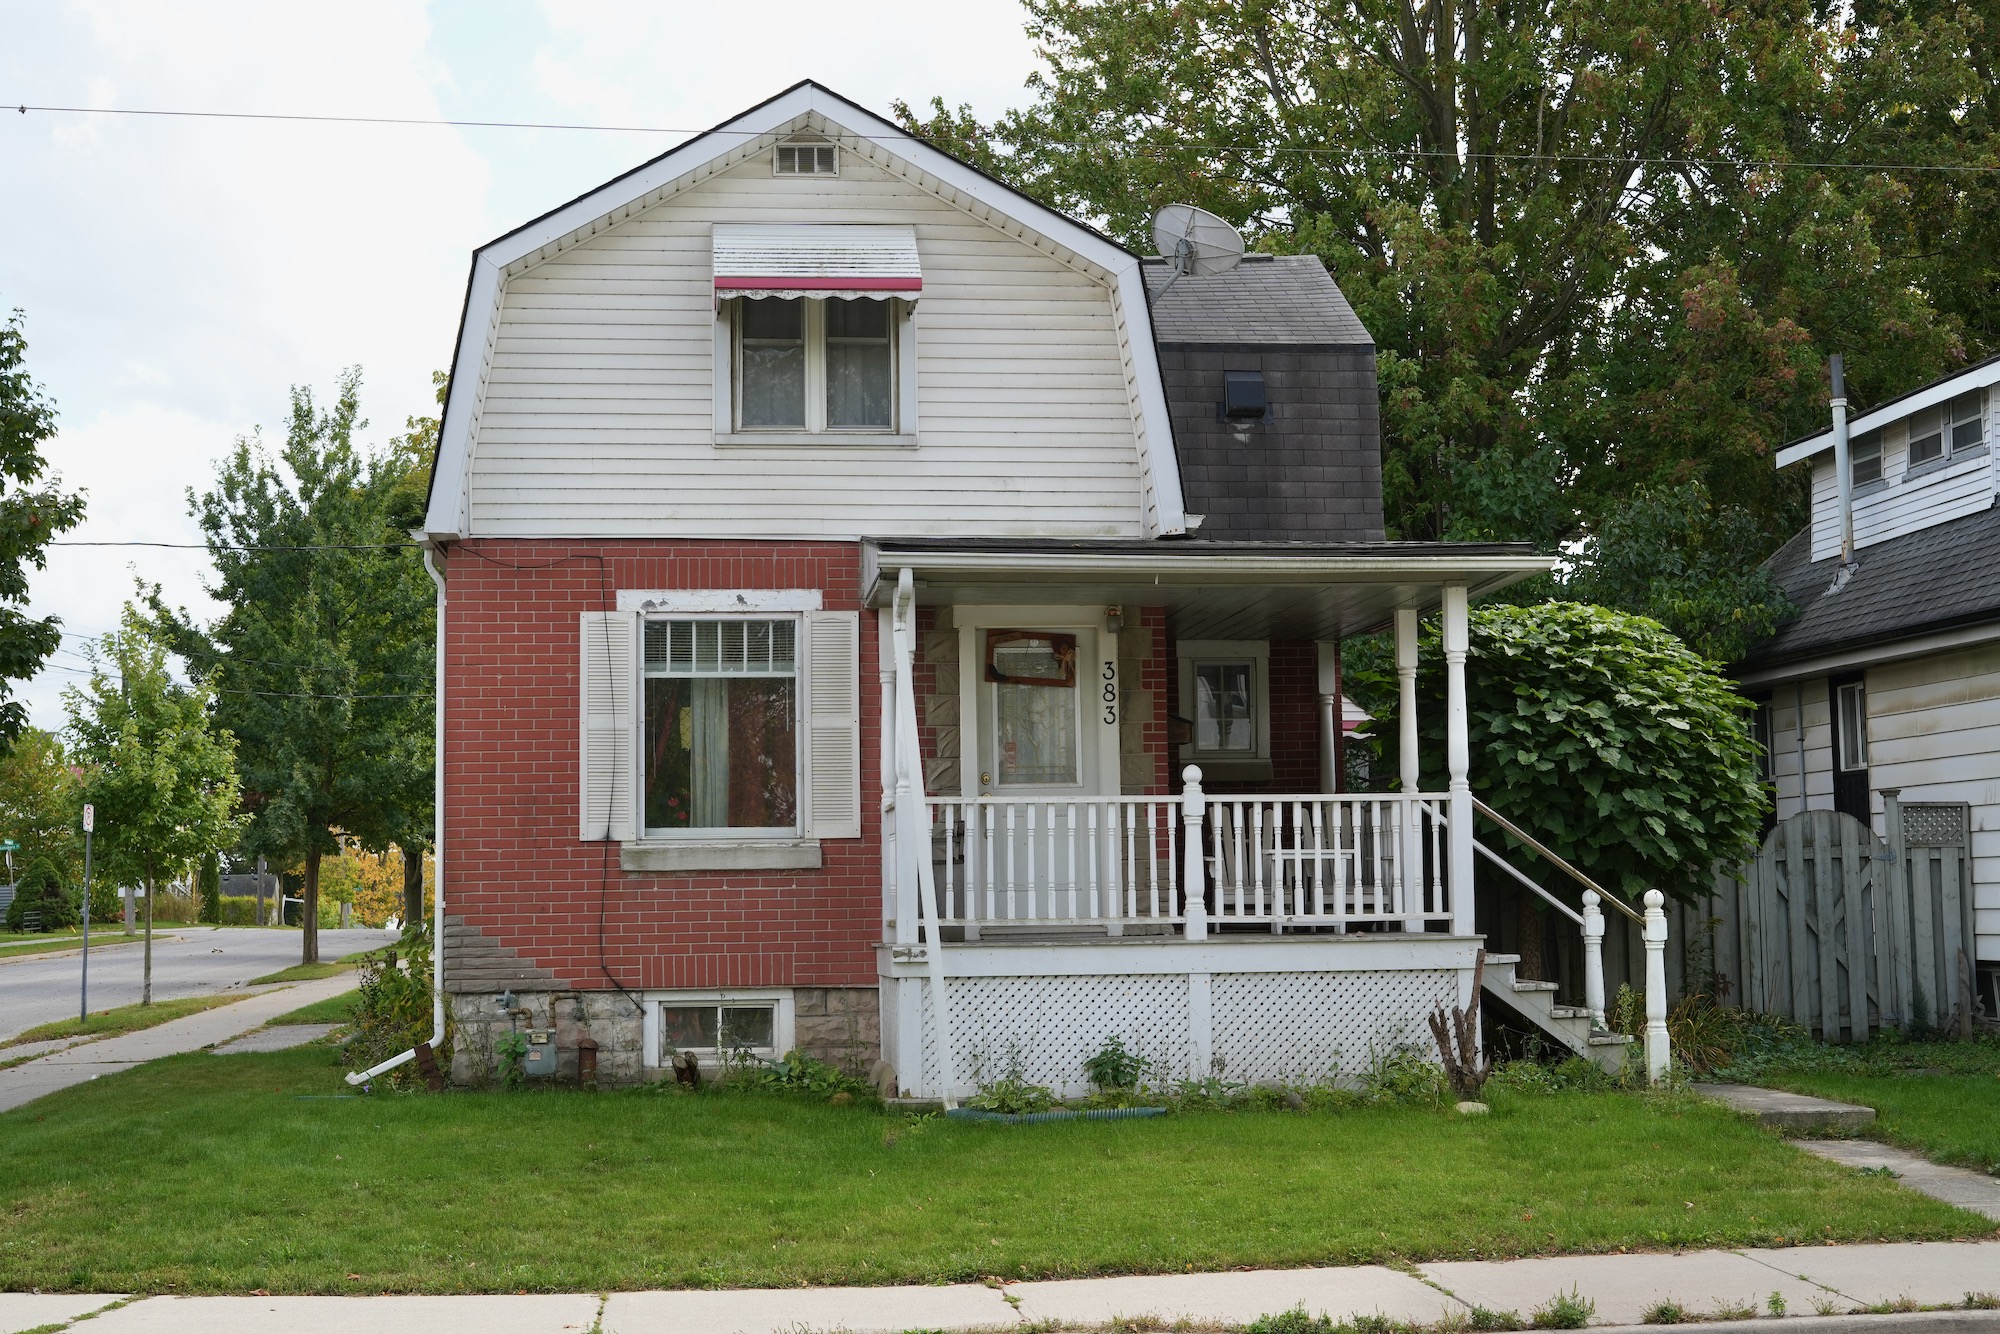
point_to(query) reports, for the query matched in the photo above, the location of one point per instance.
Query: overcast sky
(179, 275)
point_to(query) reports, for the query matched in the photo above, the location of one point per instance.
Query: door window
(1035, 716)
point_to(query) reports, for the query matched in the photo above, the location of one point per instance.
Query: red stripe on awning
(739, 283)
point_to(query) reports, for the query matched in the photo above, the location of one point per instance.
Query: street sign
(89, 818)
(9, 845)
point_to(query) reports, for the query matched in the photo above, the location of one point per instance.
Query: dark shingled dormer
(1270, 380)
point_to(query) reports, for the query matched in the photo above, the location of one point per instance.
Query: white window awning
(816, 260)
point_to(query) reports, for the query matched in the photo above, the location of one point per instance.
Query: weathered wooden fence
(1843, 932)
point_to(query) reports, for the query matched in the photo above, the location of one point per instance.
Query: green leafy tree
(1601, 734)
(1600, 245)
(39, 806)
(43, 892)
(163, 781)
(34, 509)
(1673, 554)
(321, 666)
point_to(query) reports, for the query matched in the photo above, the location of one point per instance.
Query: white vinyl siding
(1785, 747)
(1904, 501)
(829, 796)
(1934, 732)
(599, 413)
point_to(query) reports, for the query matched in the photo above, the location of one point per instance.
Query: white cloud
(179, 275)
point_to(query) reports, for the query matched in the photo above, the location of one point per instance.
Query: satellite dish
(1196, 241)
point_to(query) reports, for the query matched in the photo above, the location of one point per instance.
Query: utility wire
(225, 546)
(1102, 145)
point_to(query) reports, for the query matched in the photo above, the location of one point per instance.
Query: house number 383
(1110, 692)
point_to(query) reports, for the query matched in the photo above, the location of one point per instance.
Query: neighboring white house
(1891, 681)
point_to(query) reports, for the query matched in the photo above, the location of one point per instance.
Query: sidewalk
(87, 1060)
(1830, 1281)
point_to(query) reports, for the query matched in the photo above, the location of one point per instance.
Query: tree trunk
(146, 991)
(413, 882)
(309, 912)
(1529, 924)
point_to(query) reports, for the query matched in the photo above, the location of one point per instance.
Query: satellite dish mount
(1195, 242)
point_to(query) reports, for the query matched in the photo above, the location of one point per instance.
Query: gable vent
(806, 157)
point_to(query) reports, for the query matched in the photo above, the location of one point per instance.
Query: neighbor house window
(815, 365)
(721, 738)
(1853, 704)
(1864, 458)
(1953, 427)
(1225, 698)
(1763, 730)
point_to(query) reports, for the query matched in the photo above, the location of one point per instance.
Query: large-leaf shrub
(1596, 731)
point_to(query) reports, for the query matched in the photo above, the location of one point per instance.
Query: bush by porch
(210, 1174)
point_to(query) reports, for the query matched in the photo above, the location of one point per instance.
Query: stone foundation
(604, 1016)
(839, 1025)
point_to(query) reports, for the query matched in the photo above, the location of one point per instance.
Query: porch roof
(1212, 590)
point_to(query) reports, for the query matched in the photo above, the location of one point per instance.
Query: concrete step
(1526, 984)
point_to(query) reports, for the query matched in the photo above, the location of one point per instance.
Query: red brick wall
(1155, 678)
(514, 866)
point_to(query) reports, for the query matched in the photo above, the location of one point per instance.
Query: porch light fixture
(1114, 620)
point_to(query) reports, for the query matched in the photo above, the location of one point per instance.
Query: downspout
(437, 846)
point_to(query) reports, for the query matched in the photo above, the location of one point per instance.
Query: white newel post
(1458, 756)
(1593, 958)
(913, 835)
(1194, 888)
(1659, 1056)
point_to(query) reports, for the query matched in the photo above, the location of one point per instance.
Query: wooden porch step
(1528, 984)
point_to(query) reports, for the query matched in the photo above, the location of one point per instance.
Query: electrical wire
(1099, 145)
(227, 546)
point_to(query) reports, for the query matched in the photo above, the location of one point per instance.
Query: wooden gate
(1845, 933)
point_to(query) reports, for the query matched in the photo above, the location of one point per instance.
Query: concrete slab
(1624, 1287)
(533, 1314)
(27, 1051)
(275, 1039)
(1954, 1185)
(1235, 1297)
(785, 1310)
(31, 1310)
(1789, 1111)
(1928, 1273)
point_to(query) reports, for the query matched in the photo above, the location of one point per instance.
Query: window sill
(1943, 464)
(722, 855)
(814, 440)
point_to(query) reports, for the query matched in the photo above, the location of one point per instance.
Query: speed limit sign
(89, 818)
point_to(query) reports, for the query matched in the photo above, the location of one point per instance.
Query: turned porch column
(1458, 755)
(1410, 862)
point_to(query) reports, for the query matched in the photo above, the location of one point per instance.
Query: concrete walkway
(85, 1061)
(1954, 1185)
(1829, 1281)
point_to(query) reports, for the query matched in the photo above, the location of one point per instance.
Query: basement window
(717, 1025)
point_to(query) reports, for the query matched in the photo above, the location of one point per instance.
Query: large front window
(806, 365)
(721, 729)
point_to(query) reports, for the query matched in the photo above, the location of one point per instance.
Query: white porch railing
(1309, 860)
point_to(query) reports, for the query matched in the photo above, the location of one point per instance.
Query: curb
(1902, 1322)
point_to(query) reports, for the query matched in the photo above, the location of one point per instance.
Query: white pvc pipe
(437, 851)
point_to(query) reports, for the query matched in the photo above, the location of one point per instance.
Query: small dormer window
(806, 157)
(1952, 427)
(1865, 458)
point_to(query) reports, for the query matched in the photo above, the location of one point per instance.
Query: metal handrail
(1602, 893)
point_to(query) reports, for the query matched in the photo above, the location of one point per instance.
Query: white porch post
(913, 834)
(1659, 1050)
(1194, 887)
(900, 889)
(1410, 858)
(1458, 755)
(1330, 720)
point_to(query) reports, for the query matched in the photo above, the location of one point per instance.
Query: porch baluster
(1593, 958)
(945, 815)
(1013, 903)
(1659, 1052)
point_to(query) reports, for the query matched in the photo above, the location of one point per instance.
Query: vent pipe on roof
(1843, 472)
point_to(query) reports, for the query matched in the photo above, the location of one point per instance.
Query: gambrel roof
(805, 107)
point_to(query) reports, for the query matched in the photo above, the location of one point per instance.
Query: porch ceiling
(1212, 590)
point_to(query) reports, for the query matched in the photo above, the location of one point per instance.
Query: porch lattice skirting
(1267, 1013)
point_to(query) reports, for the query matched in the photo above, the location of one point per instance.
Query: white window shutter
(833, 724)
(606, 689)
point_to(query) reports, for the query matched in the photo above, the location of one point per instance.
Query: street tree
(321, 663)
(162, 779)
(34, 510)
(39, 803)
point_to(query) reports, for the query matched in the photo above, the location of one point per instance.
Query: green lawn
(333, 1010)
(207, 1175)
(1946, 1118)
(303, 972)
(124, 1019)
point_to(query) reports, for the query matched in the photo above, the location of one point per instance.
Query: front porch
(1047, 879)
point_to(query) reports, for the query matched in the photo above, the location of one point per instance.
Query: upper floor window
(1864, 458)
(1952, 427)
(815, 365)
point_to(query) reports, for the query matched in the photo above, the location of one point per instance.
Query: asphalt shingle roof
(1932, 579)
(1267, 299)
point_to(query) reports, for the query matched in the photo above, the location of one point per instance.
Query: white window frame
(902, 429)
(1257, 654)
(1851, 726)
(784, 1019)
(1866, 448)
(1946, 422)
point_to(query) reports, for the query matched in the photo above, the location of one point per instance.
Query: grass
(208, 1176)
(333, 1010)
(1936, 1098)
(303, 972)
(123, 1019)
(14, 946)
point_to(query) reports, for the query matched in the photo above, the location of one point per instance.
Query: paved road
(201, 961)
